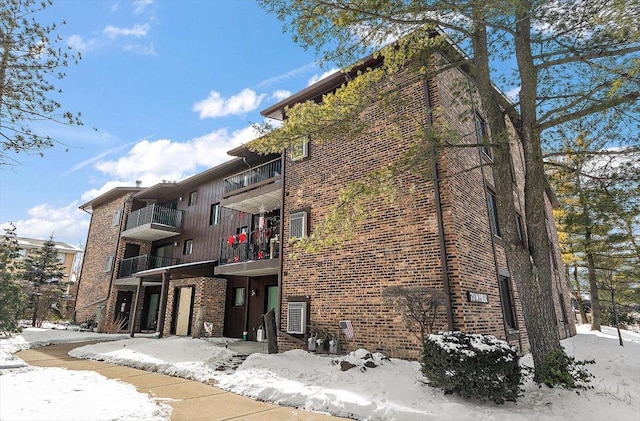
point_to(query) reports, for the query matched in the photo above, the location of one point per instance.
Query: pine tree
(31, 61)
(44, 277)
(12, 298)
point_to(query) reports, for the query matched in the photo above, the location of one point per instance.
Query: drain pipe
(439, 215)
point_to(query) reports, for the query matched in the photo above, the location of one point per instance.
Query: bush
(563, 370)
(473, 366)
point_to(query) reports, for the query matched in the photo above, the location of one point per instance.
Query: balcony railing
(253, 176)
(132, 265)
(155, 214)
(256, 245)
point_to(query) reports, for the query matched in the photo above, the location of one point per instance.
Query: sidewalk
(189, 399)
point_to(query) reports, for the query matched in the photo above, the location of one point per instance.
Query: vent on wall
(297, 317)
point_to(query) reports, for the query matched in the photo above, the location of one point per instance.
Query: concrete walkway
(189, 399)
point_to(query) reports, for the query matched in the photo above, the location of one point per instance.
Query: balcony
(252, 254)
(132, 265)
(255, 188)
(153, 223)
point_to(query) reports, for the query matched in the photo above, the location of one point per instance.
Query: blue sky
(170, 86)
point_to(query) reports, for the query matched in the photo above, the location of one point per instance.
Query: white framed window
(115, 218)
(299, 150)
(214, 217)
(298, 225)
(108, 264)
(193, 198)
(188, 247)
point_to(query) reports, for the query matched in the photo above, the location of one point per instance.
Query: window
(108, 264)
(299, 150)
(483, 135)
(188, 247)
(238, 297)
(298, 225)
(193, 198)
(62, 257)
(22, 253)
(115, 218)
(493, 212)
(506, 298)
(520, 228)
(214, 216)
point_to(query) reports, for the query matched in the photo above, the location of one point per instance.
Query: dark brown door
(234, 322)
(258, 297)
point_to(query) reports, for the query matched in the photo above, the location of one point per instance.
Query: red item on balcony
(242, 237)
(230, 240)
(260, 254)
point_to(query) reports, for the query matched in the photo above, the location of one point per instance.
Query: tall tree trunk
(593, 287)
(536, 290)
(583, 314)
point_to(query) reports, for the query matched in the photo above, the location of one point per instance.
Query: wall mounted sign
(477, 297)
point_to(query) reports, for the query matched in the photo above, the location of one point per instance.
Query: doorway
(150, 308)
(123, 308)
(183, 310)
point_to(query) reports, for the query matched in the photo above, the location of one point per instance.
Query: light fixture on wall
(254, 292)
(175, 244)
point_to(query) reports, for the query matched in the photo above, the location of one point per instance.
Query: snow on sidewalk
(395, 389)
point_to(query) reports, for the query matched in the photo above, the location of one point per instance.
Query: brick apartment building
(216, 247)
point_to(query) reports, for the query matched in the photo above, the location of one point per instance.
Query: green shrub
(563, 370)
(473, 366)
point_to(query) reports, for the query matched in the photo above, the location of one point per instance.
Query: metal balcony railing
(252, 176)
(256, 245)
(155, 214)
(132, 265)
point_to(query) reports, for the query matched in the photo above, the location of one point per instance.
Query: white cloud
(280, 94)
(66, 223)
(163, 159)
(513, 94)
(317, 78)
(288, 75)
(79, 44)
(145, 50)
(217, 106)
(140, 5)
(137, 31)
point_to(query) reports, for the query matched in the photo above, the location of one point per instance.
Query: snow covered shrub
(472, 365)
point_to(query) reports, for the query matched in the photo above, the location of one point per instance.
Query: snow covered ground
(393, 390)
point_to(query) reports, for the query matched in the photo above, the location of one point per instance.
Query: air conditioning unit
(297, 318)
(298, 225)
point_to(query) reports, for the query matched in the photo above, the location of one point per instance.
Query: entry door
(183, 320)
(123, 307)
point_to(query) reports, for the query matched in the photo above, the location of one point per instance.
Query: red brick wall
(399, 243)
(102, 241)
(210, 292)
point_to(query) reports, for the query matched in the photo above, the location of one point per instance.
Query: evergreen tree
(44, 278)
(12, 299)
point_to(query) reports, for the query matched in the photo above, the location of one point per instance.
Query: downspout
(439, 214)
(281, 242)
